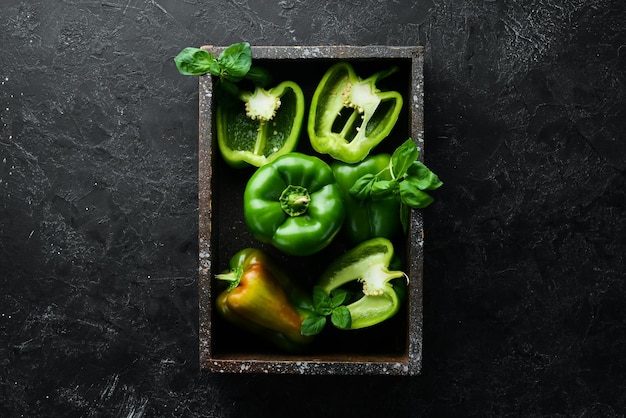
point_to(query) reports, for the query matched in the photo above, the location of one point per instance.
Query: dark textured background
(524, 272)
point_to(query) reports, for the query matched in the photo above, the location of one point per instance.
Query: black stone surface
(524, 303)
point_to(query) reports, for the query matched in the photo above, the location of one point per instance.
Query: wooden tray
(391, 348)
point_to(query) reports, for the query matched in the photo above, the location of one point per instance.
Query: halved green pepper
(262, 299)
(369, 218)
(349, 116)
(261, 126)
(294, 203)
(367, 263)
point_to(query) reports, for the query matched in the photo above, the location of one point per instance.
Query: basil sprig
(324, 305)
(410, 179)
(231, 66)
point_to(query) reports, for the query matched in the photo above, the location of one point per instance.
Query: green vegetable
(368, 264)
(327, 304)
(261, 126)
(261, 299)
(294, 203)
(232, 65)
(349, 116)
(254, 126)
(405, 179)
(367, 218)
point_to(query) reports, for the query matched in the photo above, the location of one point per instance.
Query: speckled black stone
(524, 282)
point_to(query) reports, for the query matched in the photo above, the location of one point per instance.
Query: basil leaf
(383, 189)
(194, 61)
(215, 68)
(321, 301)
(313, 325)
(402, 157)
(337, 297)
(423, 177)
(412, 196)
(361, 188)
(235, 61)
(341, 317)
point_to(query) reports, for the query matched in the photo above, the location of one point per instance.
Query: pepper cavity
(349, 115)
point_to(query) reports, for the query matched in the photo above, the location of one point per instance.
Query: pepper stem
(232, 277)
(294, 200)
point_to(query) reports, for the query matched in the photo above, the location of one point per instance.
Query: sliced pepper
(261, 126)
(263, 300)
(294, 203)
(369, 218)
(367, 263)
(349, 116)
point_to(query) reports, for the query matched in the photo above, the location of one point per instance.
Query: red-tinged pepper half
(294, 203)
(349, 116)
(261, 126)
(263, 300)
(367, 263)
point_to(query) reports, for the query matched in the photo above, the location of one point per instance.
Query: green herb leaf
(194, 61)
(383, 189)
(412, 196)
(361, 188)
(423, 177)
(321, 301)
(313, 325)
(410, 178)
(341, 317)
(337, 297)
(215, 68)
(325, 305)
(403, 157)
(235, 61)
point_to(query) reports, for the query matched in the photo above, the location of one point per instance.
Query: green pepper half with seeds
(261, 125)
(349, 115)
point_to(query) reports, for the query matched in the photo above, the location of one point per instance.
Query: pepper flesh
(261, 126)
(263, 300)
(294, 203)
(367, 263)
(367, 219)
(349, 116)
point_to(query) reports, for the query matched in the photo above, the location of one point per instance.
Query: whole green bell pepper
(263, 300)
(349, 116)
(367, 219)
(294, 203)
(367, 263)
(261, 126)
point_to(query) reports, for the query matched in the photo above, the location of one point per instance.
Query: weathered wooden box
(391, 348)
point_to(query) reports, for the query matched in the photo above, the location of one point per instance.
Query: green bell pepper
(294, 203)
(349, 116)
(261, 299)
(367, 263)
(261, 126)
(368, 218)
